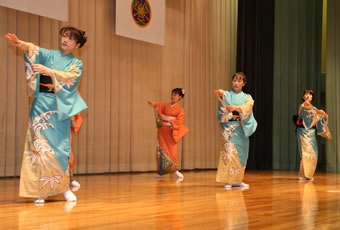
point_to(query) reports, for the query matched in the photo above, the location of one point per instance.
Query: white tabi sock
(179, 175)
(69, 196)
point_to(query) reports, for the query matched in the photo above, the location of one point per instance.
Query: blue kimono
(312, 123)
(45, 162)
(236, 129)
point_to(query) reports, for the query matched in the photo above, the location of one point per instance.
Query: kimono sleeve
(66, 84)
(312, 119)
(247, 108)
(223, 115)
(323, 130)
(160, 107)
(247, 117)
(34, 55)
(179, 130)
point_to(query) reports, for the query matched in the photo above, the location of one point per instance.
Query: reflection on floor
(275, 200)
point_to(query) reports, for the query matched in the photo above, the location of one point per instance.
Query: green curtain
(333, 83)
(297, 66)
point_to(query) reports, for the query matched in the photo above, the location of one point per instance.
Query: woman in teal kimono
(235, 113)
(310, 121)
(53, 77)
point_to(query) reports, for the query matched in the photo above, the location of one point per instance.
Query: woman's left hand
(41, 69)
(232, 108)
(164, 117)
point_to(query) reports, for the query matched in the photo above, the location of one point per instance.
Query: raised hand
(219, 92)
(152, 104)
(13, 39)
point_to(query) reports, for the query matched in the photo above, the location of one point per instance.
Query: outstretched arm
(37, 68)
(13, 39)
(152, 104)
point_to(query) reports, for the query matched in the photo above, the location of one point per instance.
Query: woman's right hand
(152, 104)
(13, 39)
(219, 92)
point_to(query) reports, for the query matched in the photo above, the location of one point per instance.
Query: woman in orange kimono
(170, 123)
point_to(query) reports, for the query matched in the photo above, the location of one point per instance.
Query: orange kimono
(168, 135)
(76, 123)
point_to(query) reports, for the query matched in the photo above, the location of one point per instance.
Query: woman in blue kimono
(310, 121)
(235, 113)
(53, 77)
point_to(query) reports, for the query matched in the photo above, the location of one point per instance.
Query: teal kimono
(311, 123)
(47, 150)
(236, 129)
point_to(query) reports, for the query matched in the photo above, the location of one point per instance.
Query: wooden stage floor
(275, 200)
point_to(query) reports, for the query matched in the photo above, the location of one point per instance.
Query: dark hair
(178, 91)
(240, 75)
(74, 33)
(310, 92)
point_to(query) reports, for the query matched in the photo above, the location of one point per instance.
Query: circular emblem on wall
(141, 12)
